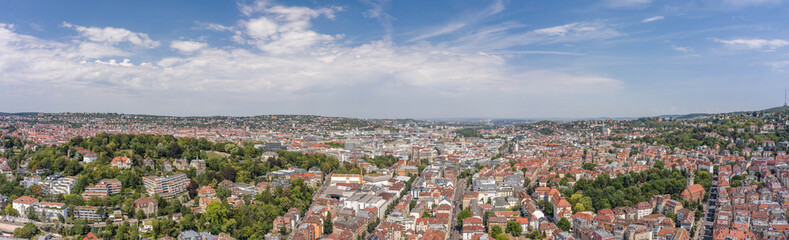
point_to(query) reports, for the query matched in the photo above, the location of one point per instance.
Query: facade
(50, 211)
(694, 192)
(90, 213)
(121, 162)
(103, 188)
(166, 186)
(63, 185)
(23, 203)
(147, 204)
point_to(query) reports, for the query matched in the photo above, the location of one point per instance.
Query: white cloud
(95, 50)
(682, 49)
(284, 72)
(187, 46)
(626, 3)
(469, 19)
(378, 10)
(755, 43)
(112, 36)
(750, 3)
(498, 37)
(652, 19)
(283, 29)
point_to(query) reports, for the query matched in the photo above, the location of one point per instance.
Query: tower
(784, 97)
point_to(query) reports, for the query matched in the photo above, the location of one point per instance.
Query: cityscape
(394, 120)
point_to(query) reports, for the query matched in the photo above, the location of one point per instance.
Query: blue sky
(394, 59)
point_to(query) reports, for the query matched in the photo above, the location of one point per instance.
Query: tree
(371, 227)
(216, 213)
(192, 188)
(425, 214)
(589, 166)
(27, 232)
(9, 210)
(327, 224)
(411, 205)
(495, 231)
(514, 228)
(140, 214)
(229, 173)
(563, 224)
(659, 164)
(547, 207)
(463, 215)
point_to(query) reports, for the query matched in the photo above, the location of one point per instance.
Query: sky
(394, 59)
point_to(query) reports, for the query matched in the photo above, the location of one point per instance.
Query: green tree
(547, 207)
(327, 224)
(589, 166)
(514, 228)
(9, 210)
(495, 231)
(463, 215)
(217, 213)
(28, 231)
(563, 224)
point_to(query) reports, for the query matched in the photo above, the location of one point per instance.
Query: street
(457, 201)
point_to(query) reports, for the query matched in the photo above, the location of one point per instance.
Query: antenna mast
(784, 97)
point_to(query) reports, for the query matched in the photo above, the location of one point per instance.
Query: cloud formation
(755, 43)
(652, 19)
(187, 46)
(112, 36)
(287, 61)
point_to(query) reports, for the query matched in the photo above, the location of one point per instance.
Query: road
(457, 201)
(704, 230)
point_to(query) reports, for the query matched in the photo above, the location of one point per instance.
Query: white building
(23, 203)
(49, 211)
(63, 185)
(346, 178)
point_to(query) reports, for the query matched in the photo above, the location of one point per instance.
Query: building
(121, 162)
(63, 185)
(91, 236)
(51, 211)
(643, 209)
(694, 192)
(23, 203)
(346, 178)
(166, 186)
(90, 213)
(103, 188)
(148, 205)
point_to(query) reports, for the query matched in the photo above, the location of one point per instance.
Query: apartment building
(103, 188)
(166, 186)
(63, 185)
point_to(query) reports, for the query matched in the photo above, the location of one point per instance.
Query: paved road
(704, 230)
(457, 201)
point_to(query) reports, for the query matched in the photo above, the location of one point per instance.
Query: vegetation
(589, 166)
(514, 228)
(227, 161)
(563, 224)
(463, 215)
(625, 190)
